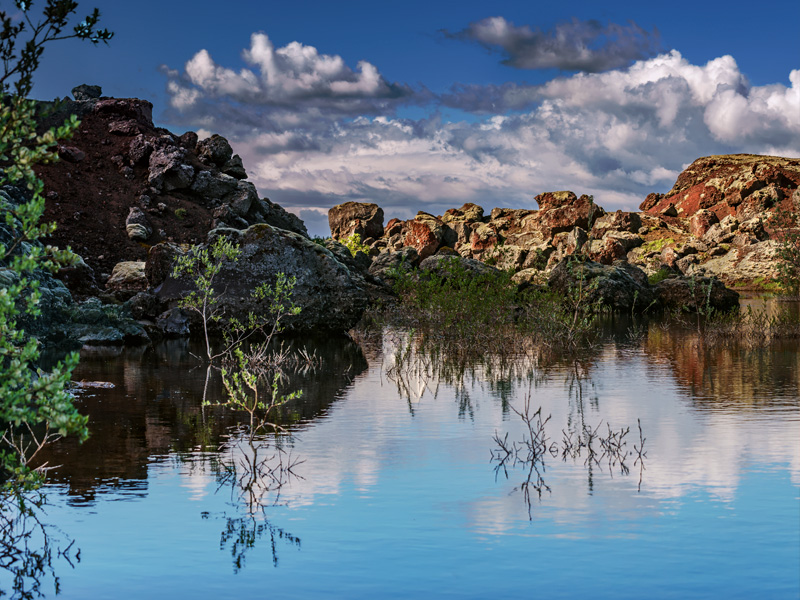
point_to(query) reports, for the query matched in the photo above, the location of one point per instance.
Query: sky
(428, 105)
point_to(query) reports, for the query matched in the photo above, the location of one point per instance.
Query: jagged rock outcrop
(742, 185)
(124, 184)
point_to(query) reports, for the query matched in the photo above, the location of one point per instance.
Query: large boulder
(356, 217)
(389, 264)
(214, 151)
(326, 291)
(696, 294)
(446, 265)
(620, 286)
(563, 211)
(425, 233)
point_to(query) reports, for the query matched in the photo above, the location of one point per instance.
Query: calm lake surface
(403, 491)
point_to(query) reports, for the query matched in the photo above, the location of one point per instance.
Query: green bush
(35, 406)
(786, 224)
(354, 244)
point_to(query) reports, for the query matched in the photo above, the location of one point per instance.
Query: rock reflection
(155, 410)
(725, 376)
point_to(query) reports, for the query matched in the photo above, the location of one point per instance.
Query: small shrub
(181, 213)
(659, 275)
(354, 244)
(786, 224)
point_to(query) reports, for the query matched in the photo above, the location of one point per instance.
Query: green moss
(656, 245)
(181, 213)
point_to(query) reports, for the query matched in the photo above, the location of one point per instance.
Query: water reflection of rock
(722, 376)
(155, 409)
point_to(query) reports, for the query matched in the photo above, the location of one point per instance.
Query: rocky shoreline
(129, 197)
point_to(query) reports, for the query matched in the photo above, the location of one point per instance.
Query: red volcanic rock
(669, 256)
(550, 200)
(421, 235)
(701, 222)
(742, 185)
(356, 217)
(90, 198)
(71, 154)
(393, 227)
(651, 200)
(567, 212)
(483, 237)
(606, 251)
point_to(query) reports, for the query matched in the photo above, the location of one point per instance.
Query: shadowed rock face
(329, 295)
(124, 184)
(356, 217)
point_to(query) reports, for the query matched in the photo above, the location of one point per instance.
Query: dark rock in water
(95, 324)
(691, 294)
(620, 285)
(174, 322)
(327, 292)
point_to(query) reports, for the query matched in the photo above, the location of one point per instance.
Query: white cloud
(314, 133)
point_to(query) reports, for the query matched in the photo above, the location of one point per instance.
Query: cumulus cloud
(279, 88)
(309, 144)
(574, 46)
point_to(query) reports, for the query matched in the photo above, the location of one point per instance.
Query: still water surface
(400, 493)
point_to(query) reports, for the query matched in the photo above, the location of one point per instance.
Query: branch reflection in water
(419, 363)
(256, 459)
(29, 547)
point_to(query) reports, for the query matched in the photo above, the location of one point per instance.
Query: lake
(419, 475)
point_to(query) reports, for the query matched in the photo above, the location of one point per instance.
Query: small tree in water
(250, 368)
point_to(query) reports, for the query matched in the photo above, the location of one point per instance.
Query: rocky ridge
(716, 221)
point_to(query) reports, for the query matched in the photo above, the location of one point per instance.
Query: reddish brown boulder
(424, 233)
(550, 200)
(483, 237)
(701, 222)
(356, 217)
(606, 251)
(564, 213)
(393, 227)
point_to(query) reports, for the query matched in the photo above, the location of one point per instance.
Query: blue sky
(426, 105)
